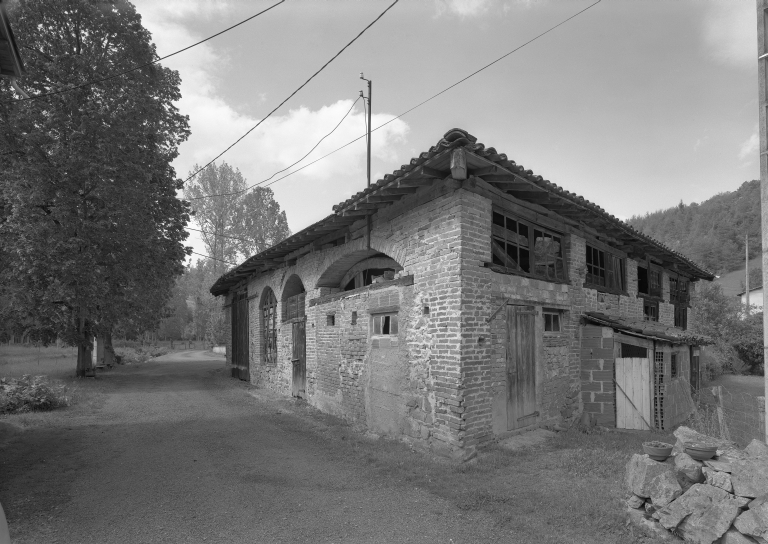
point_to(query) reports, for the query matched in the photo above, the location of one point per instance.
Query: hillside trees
(711, 233)
(90, 227)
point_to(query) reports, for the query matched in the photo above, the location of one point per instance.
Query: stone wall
(723, 499)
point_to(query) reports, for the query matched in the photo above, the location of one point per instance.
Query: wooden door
(633, 393)
(695, 370)
(299, 359)
(521, 367)
(240, 336)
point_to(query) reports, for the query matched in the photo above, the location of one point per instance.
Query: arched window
(269, 327)
(293, 298)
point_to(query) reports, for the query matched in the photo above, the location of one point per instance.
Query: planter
(700, 452)
(658, 451)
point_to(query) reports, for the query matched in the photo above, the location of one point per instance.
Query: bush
(138, 355)
(30, 393)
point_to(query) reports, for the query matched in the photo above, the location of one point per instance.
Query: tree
(91, 231)
(239, 223)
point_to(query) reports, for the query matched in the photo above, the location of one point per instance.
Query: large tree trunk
(84, 351)
(109, 351)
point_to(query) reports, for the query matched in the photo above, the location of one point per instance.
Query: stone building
(463, 298)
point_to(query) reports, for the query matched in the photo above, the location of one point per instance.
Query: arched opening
(359, 269)
(293, 298)
(268, 327)
(369, 271)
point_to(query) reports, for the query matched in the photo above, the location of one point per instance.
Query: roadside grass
(568, 490)
(736, 385)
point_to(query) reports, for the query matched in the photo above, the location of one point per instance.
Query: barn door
(521, 367)
(299, 359)
(633, 393)
(240, 336)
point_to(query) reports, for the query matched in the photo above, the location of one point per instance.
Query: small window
(604, 269)
(651, 310)
(354, 318)
(630, 351)
(642, 280)
(673, 362)
(681, 316)
(552, 321)
(384, 324)
(654, 277)
(658, 357)
(330, 320)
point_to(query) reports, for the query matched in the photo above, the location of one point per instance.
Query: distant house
(11, 65)
(755, 299)
(463, 298)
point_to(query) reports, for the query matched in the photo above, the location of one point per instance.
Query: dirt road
(178, 452)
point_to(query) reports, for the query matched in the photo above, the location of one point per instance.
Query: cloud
(729, 33)
(306, 196)
(750, 147)
(463, 8)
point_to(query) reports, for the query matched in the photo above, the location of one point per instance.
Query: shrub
(139, 355)
(30, 393)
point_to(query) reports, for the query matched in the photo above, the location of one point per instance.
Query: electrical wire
(221, 235)
(427, 100)
(113, 76)
(287, 167)
(214, 258)
(293, 93)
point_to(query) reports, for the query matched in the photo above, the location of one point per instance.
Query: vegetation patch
(30, 393)
(138, 355)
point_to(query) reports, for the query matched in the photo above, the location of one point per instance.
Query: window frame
(653, 304)
(610, 261)
(505, 237)
(382, 317)
(268, 311)
(552, 313)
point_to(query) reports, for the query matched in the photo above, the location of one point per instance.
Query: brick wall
(598, 395)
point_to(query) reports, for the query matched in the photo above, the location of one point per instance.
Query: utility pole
(746, 281)
(762, 71)
(368, 139)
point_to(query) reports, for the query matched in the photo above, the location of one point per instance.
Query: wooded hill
(711, 233)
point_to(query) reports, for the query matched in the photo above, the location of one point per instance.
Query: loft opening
(293, 298)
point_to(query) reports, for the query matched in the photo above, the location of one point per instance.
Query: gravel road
(178, 452)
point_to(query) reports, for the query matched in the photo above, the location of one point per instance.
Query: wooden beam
(383, 198)
(414, 182)
(488, 170)
(429, 172)
(399, 190)
(458, 164)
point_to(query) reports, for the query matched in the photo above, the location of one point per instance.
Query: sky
(635, 105)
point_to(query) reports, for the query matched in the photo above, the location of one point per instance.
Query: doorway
(521, 367)
(299, 359)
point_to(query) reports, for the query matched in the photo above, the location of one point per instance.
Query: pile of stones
(723, 500)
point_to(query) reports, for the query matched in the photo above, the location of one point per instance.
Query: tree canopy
(239, 223)
(91, 230)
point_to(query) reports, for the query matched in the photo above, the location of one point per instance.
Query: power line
(221, 235)
(290, 165)
(293, 93)
(113, 76)
(214, 258)
(428, 99)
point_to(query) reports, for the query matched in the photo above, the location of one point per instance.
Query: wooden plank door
(521, 366)
(299, 360)
(240, 333)
(633, 393)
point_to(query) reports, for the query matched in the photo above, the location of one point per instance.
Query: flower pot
(658, 451)
(700, 452)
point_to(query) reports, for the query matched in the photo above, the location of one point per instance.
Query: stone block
(754, 522)
(640, 472)
(635, 502)
(718, 479)
(757, 449)
(664, 489)
(708, 525)
(722, 466)
(698, 498)
(689, 467)
(750, 477)
(686, 434)
(733, 536)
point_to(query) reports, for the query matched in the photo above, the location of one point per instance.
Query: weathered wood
(521, 366)
(429, 172)
(459, 164)
(633, 393)
(299, 359)
(399, 190)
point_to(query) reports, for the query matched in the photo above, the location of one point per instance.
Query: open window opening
(552, 320)
(370, 276)
(521, 247)
(604, 269)
(293, 299)
(384, 324)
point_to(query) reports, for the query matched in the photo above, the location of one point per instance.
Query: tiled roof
(649, 329)
(393, 186)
